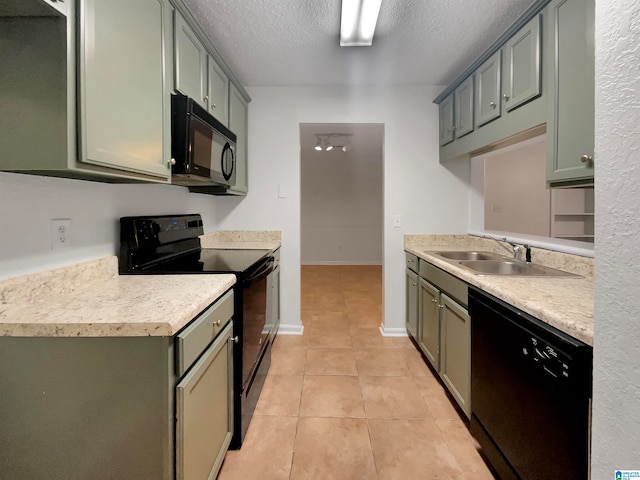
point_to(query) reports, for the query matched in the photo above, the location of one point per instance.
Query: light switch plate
(397, 221)
(283, 191)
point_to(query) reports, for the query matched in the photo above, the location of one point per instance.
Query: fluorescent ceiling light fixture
(358, 22)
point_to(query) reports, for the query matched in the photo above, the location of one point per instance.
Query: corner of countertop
(58, 281)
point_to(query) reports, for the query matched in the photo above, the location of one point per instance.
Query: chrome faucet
(516, 250)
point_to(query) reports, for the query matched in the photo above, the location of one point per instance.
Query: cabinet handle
(454, 128)
(413, 284)
(492, 104)
(206, 98)
(506, 97)
(434, 300)
(586, 159)
(440, 306)
(235, 339)
(172, 161)
(214, 106)
(217, 323)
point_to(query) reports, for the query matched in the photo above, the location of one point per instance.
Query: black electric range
(170, 244)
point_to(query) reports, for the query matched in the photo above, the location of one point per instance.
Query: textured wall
(616, 409)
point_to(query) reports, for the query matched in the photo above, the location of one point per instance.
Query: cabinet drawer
(446, 282)
(192, 341)
(412, 261)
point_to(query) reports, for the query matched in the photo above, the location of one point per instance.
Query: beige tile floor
(344, 402)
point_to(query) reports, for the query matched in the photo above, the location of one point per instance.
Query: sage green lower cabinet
(105, 408)
(412, 304)
(570, 126)
(429, 329)
(444, 332)
(204, 412)
(125, 82)
(455, 350)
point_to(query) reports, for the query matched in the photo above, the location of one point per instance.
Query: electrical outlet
(60, 233)
(397, 221)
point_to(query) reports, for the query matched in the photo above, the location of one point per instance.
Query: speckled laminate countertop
(240, 239)
(90, 299)
(563, 302)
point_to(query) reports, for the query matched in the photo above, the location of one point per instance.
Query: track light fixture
(329, 141)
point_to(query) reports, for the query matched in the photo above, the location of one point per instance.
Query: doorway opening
(341, 210)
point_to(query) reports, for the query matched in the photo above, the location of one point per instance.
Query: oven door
(255, 328)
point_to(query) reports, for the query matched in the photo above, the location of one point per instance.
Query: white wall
(342, 200)
(28, 203)
(616, 407)
(430, 197)
(515, 195)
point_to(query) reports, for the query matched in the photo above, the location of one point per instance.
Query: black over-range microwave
(202, 148)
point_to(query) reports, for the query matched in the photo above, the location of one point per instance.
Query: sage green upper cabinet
(570, 126)
(124, 87)
(488, 77)
(501, 91)
(463, 103)
(446, 120)
(238, 112)
(191, 63)
(456, 113)
(197, 73)
(521, 69)
(218, 92)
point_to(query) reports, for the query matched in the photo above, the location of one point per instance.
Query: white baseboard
(343, 262)
(290, 329)
(392, 332)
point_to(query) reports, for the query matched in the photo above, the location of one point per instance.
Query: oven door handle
(263, 271)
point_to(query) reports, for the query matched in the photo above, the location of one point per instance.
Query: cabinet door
(218, 92)
(522, 66)
(488, 78)
(412, 304)
(191, 63)
(446, 120)
(455, 351)
(124, 104)
(429, 329)
(570, 126)
(204, 412)
(463, 102)
(238, 110)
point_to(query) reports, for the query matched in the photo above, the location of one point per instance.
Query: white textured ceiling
(296, 42)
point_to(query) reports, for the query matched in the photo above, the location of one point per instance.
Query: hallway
(344, 402)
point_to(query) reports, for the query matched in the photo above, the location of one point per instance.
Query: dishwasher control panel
(553, 362)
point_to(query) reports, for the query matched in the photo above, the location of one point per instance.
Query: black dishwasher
(530, 393)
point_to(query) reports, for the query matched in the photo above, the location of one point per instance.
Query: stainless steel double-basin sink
(490, 263)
